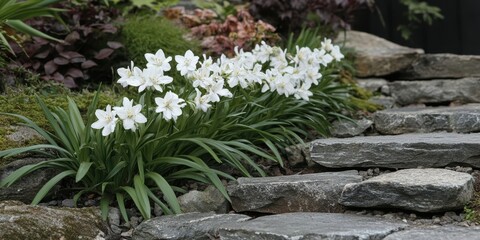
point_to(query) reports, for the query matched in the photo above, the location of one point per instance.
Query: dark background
(458, 32)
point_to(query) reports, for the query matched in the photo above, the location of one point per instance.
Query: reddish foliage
(222, 36)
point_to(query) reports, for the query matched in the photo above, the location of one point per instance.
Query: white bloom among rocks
(170, 106)
(106, 120)
(129, 75)
(130, 115)
(202, 102)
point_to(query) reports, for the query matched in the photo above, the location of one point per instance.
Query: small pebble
(68, 203)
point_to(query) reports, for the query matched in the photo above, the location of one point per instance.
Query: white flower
(327, 45)
(336, 54)
(201, 102)
(170, 105)
(186, 64)
(128, 75)
(216, 90)
(106, 120)
(158, 60)
(284, 86)
(129, 114)
(303, 92)
(154, 78)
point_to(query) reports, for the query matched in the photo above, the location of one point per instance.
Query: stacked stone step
(414, 143)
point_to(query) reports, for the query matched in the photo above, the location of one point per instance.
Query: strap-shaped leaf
(24, 28)
(166, 189)
(82, 170)
(49, 185)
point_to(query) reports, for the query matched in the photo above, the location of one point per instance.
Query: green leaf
(82, 170)
(166, 189)
(121, 206)
(50, 184)
(24, 28)
(142, 196)
(104, 205)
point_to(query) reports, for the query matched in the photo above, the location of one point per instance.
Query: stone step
(463, 119)
(429, 66)
(465, 90)
(295, 193)
(328, 226)
(421, 190)
(437, 233)
(398, 151)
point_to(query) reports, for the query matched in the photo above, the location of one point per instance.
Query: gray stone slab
(375, 56)
(374, 85)
(185, 226)
(325, 226)
(437, 233)
(295, 193)
(444, 65)
(344, 128)
(463, 119)
(465, 90)
(398, 151)
(386, 102)
(421, 190)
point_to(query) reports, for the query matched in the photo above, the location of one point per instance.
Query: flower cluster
(269, 68)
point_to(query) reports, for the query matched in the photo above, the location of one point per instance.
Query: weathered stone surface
(398, 151)
(344, 128)
(386, 102)
(299, 154)
(20, 221)
(210, 200)
(437, 233)
(421, 190)
(465, 90)
(22, 134)
(326, 226)
(376, 56)
(26, 188)
(374, 85)
(185, 226)
(444, 65)
(295, 193)
(462, 119)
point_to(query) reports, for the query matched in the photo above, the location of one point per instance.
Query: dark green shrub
(147, 34)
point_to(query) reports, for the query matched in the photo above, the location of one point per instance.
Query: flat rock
(398, 151)
(437, 233)
(20, 221)
(185, 226)
(344, 128)
(325, 226)
(26, 188)
(384, 101)
(210, 200)
(375, 56)
(421, 190)
(463, 119)
(295, 193)
(374, 85)
(465, 90)
(444, 65)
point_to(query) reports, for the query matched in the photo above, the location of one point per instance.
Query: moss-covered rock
(19, 221)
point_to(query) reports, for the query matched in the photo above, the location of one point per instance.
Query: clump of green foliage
(147, 34)
(418, 12)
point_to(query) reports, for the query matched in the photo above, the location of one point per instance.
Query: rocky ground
(406, 172)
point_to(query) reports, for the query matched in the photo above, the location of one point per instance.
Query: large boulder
(295, 193)
(464, 119)
(376, 56)
(398, 151)
(185, 226)
(20, 221)
(421, 190)
(326, 226)
(444, 65)
(26, 188)
(465, 90)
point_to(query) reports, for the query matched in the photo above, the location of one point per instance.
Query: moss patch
(23, 102)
